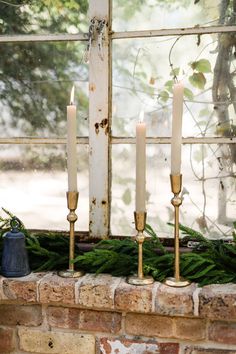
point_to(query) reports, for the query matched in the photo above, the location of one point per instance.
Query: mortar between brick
(196, 301)
(1, 288)
(38, 285)
(195, 296)
(77, 286)
(154, 294)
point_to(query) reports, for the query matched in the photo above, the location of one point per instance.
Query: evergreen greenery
(212, 261)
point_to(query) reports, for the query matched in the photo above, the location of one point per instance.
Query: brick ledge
(105, 292)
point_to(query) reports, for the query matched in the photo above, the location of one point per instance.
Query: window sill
(105, 292)
(104, 314)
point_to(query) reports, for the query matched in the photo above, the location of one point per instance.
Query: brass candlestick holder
(72, 201)
(176, 185)
(140, 221)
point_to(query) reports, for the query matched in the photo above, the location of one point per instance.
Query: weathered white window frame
(100, 93)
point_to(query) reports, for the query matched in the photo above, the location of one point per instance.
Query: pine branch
(216, 263)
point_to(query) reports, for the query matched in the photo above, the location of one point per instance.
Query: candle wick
(72, 95)
(141, 117)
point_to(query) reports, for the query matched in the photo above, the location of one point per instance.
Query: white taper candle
(71, 145)
(140, 165)
(176, 138)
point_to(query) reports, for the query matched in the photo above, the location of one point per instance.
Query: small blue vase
(14, 255)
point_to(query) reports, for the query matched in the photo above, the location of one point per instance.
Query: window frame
(100, 138)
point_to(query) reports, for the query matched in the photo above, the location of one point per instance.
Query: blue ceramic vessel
(14, 256)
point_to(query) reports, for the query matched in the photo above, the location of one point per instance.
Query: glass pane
(209, 189)
(36, 81)
(159, 14)
(28, 17)
(144, 72)
(33, 185)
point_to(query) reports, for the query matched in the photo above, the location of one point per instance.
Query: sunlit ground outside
(34, 182)
(39, 199)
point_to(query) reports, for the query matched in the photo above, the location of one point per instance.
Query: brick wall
(44, 313)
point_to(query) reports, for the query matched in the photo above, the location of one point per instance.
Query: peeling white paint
(134, 348)
(98, 135)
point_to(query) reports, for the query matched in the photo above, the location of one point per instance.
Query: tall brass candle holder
(72, 201)
(176, 201)
(140, 279)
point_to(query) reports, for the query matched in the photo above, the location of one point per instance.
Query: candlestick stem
(140, 279)
(176, 201)
(72, 201)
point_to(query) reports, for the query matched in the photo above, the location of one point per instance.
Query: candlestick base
(181, 283)
(71, 273)
(72, 200)
(140, 279)
(136, 280)
(177, 281)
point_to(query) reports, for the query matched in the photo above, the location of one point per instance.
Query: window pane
(159, 14)
(33, 185)
(36, 80)
(144, 71)
(208, 189)
(29, 17)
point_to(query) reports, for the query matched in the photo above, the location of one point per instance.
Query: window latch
(101, 25)
(96, 32)
(91, 36)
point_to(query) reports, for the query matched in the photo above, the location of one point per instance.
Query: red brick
(88, 320)
(174, 301)
(63, 317)
(190, 328)
(169, 348)
(218, 302)
(28, 315)
(55, 289)
(197, 350)
(6, 340)
(223, 332)
(131, 298)
(100, 321)
(24, 288)
(149, 325)
(97, 291)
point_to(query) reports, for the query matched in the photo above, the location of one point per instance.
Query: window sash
(116, 140)
(100, 108)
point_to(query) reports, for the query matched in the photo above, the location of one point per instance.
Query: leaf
(200, 154)
(202, 66)
(198, 80)
(204, 112)
(193, 268)
(175, 72)
(154, 236)
(126, 197)
(169, 85)
(202, 273)
(164, 96)
(188, 94)
(141, 74)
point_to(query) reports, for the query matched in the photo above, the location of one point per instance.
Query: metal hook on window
(101, 25)
(91, 32)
